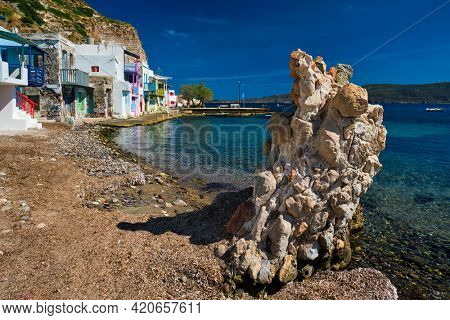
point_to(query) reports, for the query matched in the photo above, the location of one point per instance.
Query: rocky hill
(75, 19)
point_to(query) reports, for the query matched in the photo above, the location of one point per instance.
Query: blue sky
(216, 42)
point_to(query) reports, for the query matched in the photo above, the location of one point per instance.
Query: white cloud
(174, 34)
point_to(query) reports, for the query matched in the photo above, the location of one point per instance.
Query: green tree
(203, 93)
(188, 93)
(198, 92)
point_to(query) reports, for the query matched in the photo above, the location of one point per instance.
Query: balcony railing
(131, 68)
(26, 104)
(15, 71)
(150, 87)
(36, 76)
(74, 77)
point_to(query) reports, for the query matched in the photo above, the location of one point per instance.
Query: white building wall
(11, 117)
(111, 62)
(110, 59)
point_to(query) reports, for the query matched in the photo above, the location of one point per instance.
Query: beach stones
(322, 159)
(179, 203)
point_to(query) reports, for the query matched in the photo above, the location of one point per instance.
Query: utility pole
(239, 92)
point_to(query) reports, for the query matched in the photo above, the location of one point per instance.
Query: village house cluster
(46, 76)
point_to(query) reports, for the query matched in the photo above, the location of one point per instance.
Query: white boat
(223, 106)
(235, 105)
(435, 109)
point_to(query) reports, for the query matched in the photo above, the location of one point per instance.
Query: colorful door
(80, 102)
(133, 105)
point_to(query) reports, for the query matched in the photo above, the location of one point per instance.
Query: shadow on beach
(203, 226)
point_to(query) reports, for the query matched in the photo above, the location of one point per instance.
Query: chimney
(90, 40)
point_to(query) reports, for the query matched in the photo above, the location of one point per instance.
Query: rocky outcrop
(321, 160)
(74, 19)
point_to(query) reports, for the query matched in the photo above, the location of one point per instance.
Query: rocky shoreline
(106, 226)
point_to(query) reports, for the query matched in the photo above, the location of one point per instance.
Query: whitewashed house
(115, 73)
(19, 65)
(61, 78)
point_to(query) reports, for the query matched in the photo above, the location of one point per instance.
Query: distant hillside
(74, 19)
(413, 93)
(388, 93)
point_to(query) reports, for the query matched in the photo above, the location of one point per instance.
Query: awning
(158, 77)
(13, 40)
(131, 54)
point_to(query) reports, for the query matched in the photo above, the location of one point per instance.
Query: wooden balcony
(74, 77)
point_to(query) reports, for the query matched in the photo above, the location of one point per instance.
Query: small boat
(223, 106)
(435, 109)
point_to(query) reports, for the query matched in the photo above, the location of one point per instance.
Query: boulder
(308, 251)
(279, 234)
(344, 73)
(265, 185)
(351, 101)
(288, 271)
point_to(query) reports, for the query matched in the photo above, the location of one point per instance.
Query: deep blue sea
(407, 209)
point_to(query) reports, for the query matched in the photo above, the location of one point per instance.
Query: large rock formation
(321, 161)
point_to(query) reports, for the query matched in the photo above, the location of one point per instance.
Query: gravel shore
(78, 220)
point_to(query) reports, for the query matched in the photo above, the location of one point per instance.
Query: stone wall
(102, 95)
(44, 97)
(322, 159)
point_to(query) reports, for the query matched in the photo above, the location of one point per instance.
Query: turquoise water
(407, 233)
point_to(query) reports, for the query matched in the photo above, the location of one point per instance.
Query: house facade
(161, 93)
(157, 95)
(116, 75)
(65, 86)
(21, 64)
